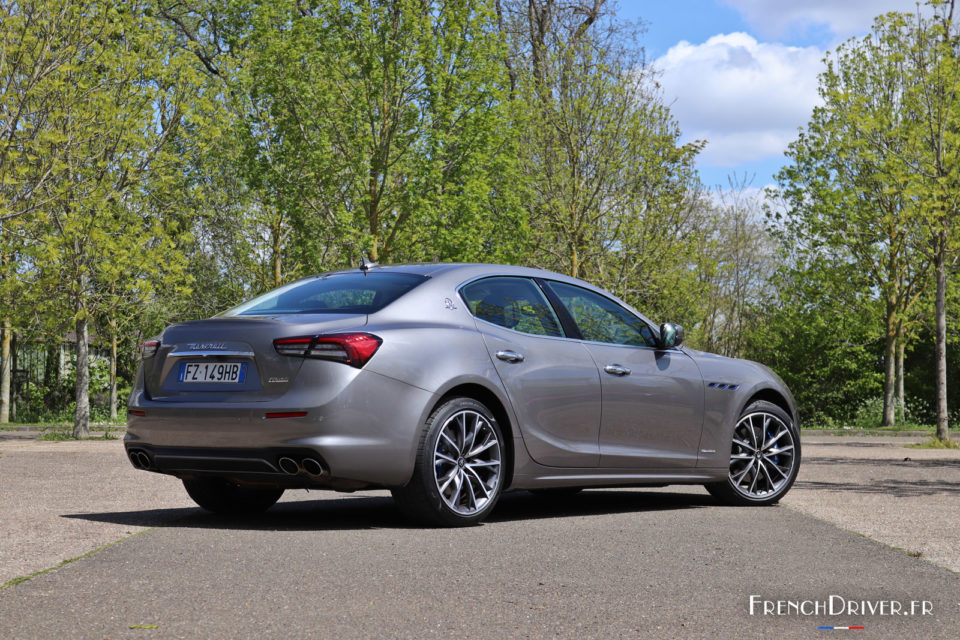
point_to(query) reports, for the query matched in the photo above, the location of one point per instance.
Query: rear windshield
(338, 293)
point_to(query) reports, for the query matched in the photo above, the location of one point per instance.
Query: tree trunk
(889, 366)
(901, 402)
(5, 371)
(15, 390)
(113, 370)
(277, 251)
(81, 419)
(51, 375)
(941, 347)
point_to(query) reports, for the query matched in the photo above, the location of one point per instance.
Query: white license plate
(219, 372)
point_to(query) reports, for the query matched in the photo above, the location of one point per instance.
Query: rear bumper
(364, 430)
(254, 467)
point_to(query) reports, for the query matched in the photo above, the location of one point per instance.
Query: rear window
(337, 293)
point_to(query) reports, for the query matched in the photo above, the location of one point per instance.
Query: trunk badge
(269, 380)
(208, 346)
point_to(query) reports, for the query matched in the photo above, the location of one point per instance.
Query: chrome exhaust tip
(288, 465)
(139, 459)
(313, 467)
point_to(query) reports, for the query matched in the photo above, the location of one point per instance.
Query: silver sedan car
(449, 384)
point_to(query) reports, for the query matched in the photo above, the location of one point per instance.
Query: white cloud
(843, 18)
(746, 98)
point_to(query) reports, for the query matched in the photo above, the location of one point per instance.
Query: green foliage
(936, 443)
(869, 414)
(163, 160)
(377, 128)
(820, 335)
(56, 435)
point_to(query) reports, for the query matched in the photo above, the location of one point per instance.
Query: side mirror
(671, 335)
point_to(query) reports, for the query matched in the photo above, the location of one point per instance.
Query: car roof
(455, 273)
(465, 268)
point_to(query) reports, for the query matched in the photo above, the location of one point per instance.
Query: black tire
(421, 499)
(732, 491)
(224, 497)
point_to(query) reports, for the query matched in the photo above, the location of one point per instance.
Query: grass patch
(894, 429)
(936, 443)
(62, 563)
(64, 422)
(56, 435)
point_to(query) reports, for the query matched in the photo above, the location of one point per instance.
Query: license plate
(219, 372)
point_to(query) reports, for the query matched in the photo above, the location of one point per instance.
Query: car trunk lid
(232, 359)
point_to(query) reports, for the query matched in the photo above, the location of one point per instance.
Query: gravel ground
(874, 486)
(877, 487)
(44, 484)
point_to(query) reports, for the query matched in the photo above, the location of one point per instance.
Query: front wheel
(459, 470)
(764, 457)
(224, 497)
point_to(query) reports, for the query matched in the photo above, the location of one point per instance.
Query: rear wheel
(764, 457)
(222, 496)
(459, 470)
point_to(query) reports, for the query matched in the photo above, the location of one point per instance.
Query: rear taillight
(149, 348)
(354, 349)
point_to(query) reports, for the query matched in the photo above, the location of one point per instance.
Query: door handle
(510, 356)
(617, 370)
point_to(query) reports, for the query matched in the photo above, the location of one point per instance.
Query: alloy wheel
(467, 462)
(762, 456)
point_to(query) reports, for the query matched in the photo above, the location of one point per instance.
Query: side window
(514, 303)
(601, 319)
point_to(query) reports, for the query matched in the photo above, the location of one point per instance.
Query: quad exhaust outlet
(310, 466)
(289, 465)
(140, 460)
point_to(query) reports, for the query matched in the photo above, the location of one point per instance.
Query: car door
(652, 398)
(552, 381)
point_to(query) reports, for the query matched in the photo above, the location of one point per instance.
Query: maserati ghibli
(449, 384)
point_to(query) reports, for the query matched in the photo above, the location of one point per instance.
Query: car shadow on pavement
(379, 512)
(919, 463)
(895, 488)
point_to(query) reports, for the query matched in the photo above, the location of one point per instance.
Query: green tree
(94, 239)
(611, 193)
(39, 39)
(365, 127)
(932, 49)
(821, 334)
(848, 190)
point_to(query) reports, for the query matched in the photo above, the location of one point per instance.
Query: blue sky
(742, 74)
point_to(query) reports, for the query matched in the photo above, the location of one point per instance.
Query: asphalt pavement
(634, 563)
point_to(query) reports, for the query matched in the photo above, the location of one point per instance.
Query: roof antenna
(366, 265)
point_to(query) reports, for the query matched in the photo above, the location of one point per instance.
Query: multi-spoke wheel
(459, 471)
(764, 457)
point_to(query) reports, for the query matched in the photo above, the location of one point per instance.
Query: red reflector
(148, 348)
(285, 414)
(137, 412)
